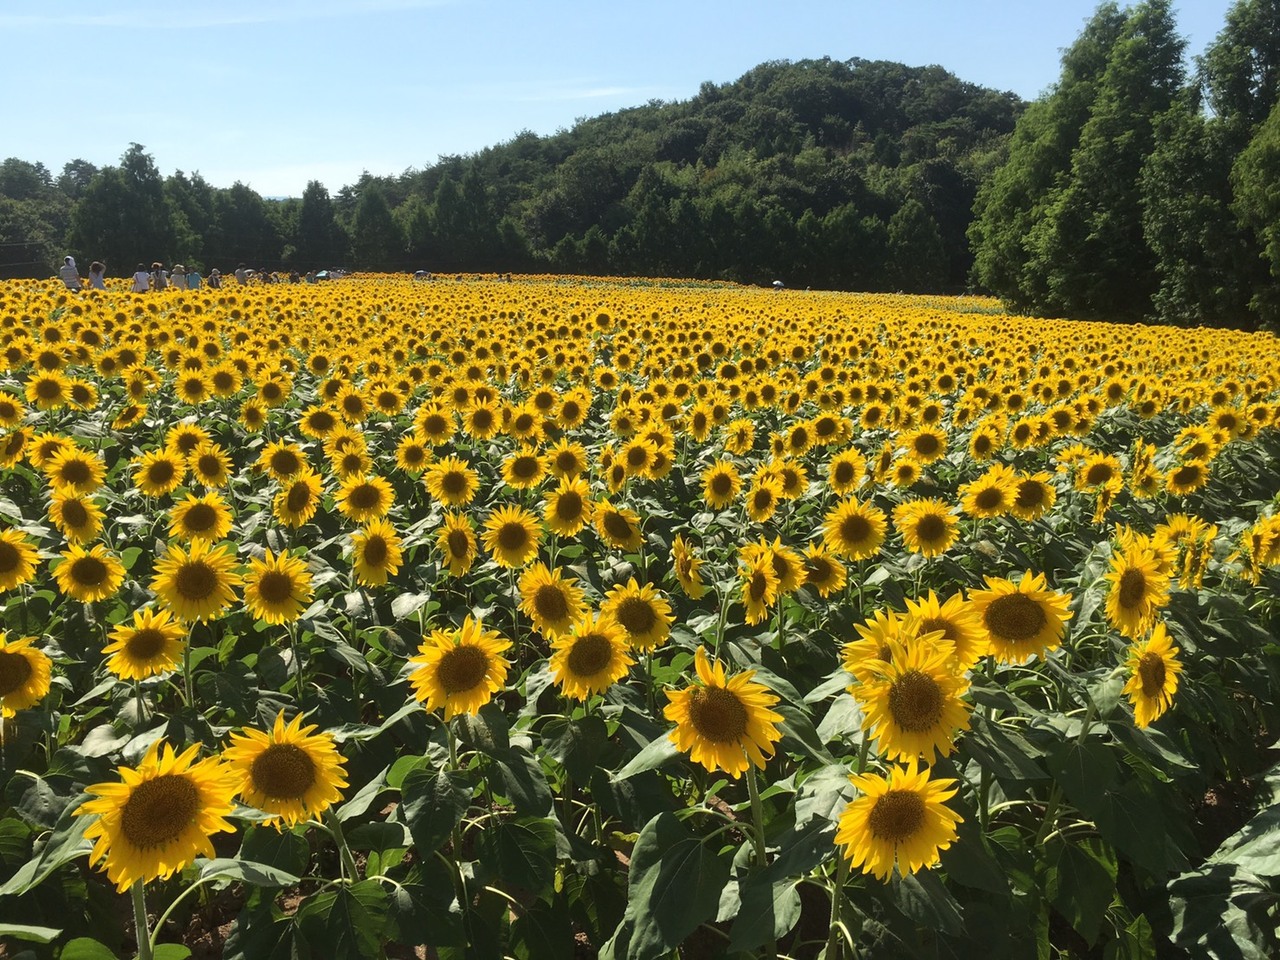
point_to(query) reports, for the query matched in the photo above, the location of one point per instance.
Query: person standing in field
(97, 271)
(68, 273)
(141, 280)
(178, 277)
(159, 279)
(215, 279)
(242, 275)
(193, 279)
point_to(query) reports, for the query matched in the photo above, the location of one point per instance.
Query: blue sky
(278, 93)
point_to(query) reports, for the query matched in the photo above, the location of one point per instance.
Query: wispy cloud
(230, 16)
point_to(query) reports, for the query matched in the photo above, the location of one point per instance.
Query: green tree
(917, 258)
(123, 217)
(1254, 177)
(318, 240)
(376, 241)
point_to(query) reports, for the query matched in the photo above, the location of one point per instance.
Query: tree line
(1138, 187)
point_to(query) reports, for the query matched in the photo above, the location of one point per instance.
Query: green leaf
(346, 922)
(1256, 847)
(26, 932)
(923, 899)
(657, 753)
(521, 779)
(797, 728)
(34, 800)
(1080, 883)
(1004, 752)
(424, 907)
(255, 874)
(675, 883)
(769, 910)
(579, 744)
(280, 849)
(86, 948)
(522, 852)
(171, 951)
(407, 604)
(65, 844)
(432, 804)
(1221, 911)
(543, 932)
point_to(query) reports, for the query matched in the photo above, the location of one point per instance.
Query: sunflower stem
(142, 932)
(648, 681)
(757, 835)
(188, 683)
(835, 943)
(335, 830)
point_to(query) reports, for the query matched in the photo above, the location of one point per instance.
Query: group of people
(178, 278)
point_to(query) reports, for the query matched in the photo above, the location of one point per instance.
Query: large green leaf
(543, 932)
(280, 849)
(22, 931)
(770, 909)
(255, 874)
(346, 922)
(578, 744)
(522, 852)
(424, 906)
(1080, 883)
(432, 804)
(521, 779)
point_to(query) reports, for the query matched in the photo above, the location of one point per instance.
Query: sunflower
(79, 519)
(886, 631)
(24, 675)
(11, 410)
(643, 613)
(552, 602)
(459, 670)
(45, 446)
(1022, 619)
(822, 571)
(512, 535)
(184, 438)
(568, 507)
(196, 584)
(912, 703)
(1034, 496)
(451, 481)
(740, 436)
(793, 478)
(900, 820)
(1097, 470)
(590, 658)
(928, 527)
(48, 391)
(160, 817)
(956, 620)
(130, 415)
(277, 588)
(253, 415)
(13, 446)
(282, 459)
(290, 773)
(763, 498)
(318, 421)
(18, 559)
(457, 541)
(720, 484)
(788, 566)
(151, 645)
(435, 424)
(925, 444)
(724, 723)
(1153, 667)
(298, 499)
(75, 471)
(566, 459)
(200, 518)
(376, 553)
(482, 420)
(1187, 477)
(618, 526)
(1138, 590)
(89, 575)
(687, 564)
(210, 465)
(992, 494)
(364, 498)
(412, 455)
(759, 588)
(523, 469)
(854, 530)
(846, 472)
(159, 472)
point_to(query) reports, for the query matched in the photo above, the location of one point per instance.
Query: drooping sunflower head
(687, 564)
(618, 526)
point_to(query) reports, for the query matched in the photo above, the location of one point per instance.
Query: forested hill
(855, 174)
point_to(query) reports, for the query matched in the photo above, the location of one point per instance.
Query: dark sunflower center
(285, 462)
(569, 505)
(1014, 616)
(637, 457)
(989, 498)
(762, 499)
(462, 669)
(522, 423)
(524, 467)
(915, 700)
(1151, 670)
(931, 528)
(566, 462)
(459, 543)
(365, 496)
(88, 571)
(513, 536)
(818, 570)
(208, 465)
(1030, 494)
(160, 472)
(854, 528)
(283, 771)
(48, 390)
(551, 603)
(590, 654)
(617, 526)
(1098, 473)
(145, 643)
(781, 567)
(10, 558)
(636, 615)
(15, 670)
(717, 714)
(196, 580)
(76, 472)
(199, 518)
(159, 810)
(1133, 588)
(927, 444)
(935, 624)
(897, 816)
(375, 550)
(1187, 475)
(759, 586)
(482, 419)
(453, 482)
(434, 425)
(298, 498)
(843, 472)
(275, 586)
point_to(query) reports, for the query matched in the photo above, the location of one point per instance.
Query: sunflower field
(541, 617)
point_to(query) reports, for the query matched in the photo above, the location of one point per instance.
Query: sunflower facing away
(290, 773)
(591, 657)
(912, 703)
(1153, 667)
(643, 613)
(724, 723)
(376, 553)
(277, 588)
(149, 646)
(459, 670)
(159, 817)
(196, 584)
(901, 820)
(89, 575)
(1022, 619)
(24, 675)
